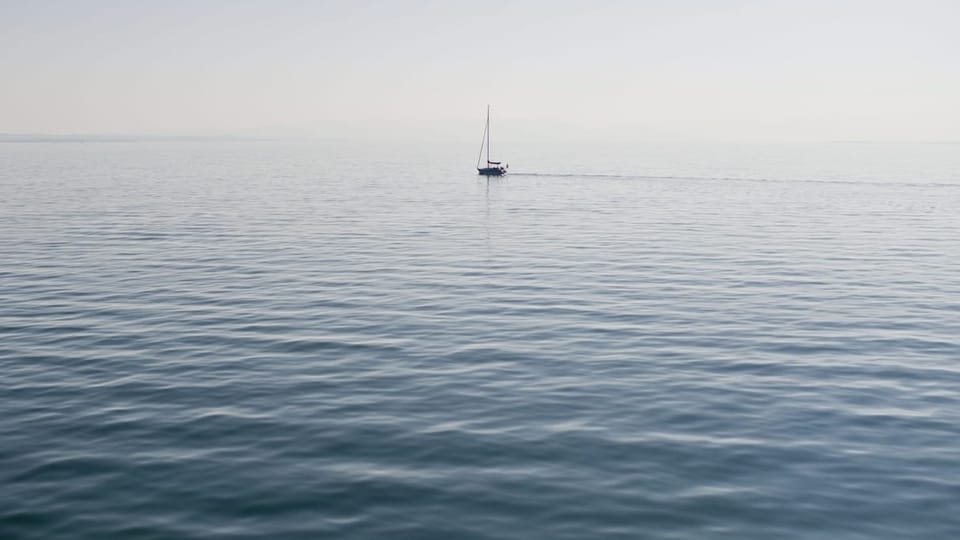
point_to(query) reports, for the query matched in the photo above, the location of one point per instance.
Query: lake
(322, 339)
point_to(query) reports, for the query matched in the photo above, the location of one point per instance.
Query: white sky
(562, 69)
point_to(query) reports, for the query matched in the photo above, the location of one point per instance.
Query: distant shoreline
(33, 138)
(92, 138)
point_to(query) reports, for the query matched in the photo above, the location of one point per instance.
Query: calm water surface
(321, 340)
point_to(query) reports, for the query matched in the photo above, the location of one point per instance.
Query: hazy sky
(551, 69)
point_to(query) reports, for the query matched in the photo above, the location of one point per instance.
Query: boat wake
(931, 183)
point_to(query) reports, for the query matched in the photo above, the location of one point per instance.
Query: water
(322, 340)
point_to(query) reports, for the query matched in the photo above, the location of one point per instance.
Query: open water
(220, 340)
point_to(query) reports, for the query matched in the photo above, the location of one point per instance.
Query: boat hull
(492, 171)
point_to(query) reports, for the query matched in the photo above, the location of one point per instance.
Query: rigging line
(482, 141)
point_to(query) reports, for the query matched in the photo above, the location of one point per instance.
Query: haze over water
(356, 341)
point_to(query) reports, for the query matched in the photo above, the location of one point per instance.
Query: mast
(488, 135)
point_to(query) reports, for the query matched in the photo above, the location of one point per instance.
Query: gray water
(327, 340)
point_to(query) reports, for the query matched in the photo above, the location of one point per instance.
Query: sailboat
(493, 168)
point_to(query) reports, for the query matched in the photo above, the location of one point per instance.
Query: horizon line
(240, 137)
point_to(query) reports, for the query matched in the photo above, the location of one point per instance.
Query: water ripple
(276, 341)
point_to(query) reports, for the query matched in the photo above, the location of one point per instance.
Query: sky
(625, 70)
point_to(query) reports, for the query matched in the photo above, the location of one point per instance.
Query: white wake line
(919, 183)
